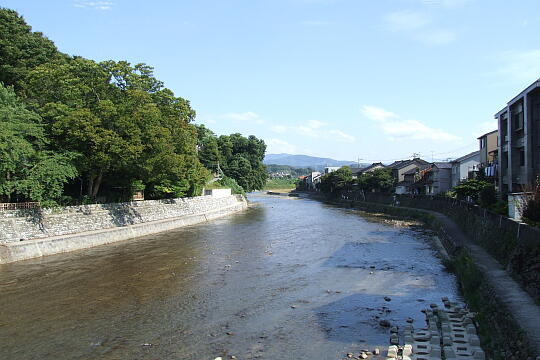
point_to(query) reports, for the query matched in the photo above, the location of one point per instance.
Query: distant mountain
(304, 161)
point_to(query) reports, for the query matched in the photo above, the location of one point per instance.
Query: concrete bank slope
(31, 234)
(507, 291)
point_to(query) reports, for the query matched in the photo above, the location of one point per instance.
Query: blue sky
(376, 80)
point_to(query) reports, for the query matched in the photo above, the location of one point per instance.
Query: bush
(227, 183)
(471, 189)
(488, 196)
(531, 210)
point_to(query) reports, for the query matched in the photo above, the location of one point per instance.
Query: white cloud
(98, 5)
(315, 129)
(277, 146)
(406, 20)
(396, 128)
(520, 65)
(378, 114)
(245, 116)
(315, 124)
(343, 135)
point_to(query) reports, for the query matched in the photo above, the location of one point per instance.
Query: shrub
(488, 196)
(531, 210)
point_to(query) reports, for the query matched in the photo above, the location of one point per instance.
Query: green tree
(377, 180)
(337, 181)
(28, 171)
(470, 188)
(21, 49)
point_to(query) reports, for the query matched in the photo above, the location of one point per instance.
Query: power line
(433, 154)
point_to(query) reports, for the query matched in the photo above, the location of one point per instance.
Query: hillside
(304, 161)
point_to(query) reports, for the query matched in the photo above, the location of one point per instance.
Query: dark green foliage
(21, 49)
(28, 171)
(531, 210)
(241, 159)
(471, 189)
(488, 196)
(379, 180)
(337, 181)
(111, 125)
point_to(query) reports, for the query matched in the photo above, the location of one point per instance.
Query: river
(286, 279)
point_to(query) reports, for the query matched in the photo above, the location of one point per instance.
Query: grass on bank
(280, 185)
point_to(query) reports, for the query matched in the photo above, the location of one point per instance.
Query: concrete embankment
(26, 234)
(508, 316)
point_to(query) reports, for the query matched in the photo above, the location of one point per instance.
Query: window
(522, 158)
(482, 143)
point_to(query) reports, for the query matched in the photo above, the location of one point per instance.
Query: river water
(286, 279)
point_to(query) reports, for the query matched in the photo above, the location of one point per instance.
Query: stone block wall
(514, 244)
(17, 225)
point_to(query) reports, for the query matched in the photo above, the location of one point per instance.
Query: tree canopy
(73, 127)
(337, 181)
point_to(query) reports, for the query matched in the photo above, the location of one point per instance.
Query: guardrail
(18, 206)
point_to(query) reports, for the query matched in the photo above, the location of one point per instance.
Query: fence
(17, 206)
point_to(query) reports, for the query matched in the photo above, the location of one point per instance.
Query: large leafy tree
(77, 102)
(28, 170)
(127, 129)
(21, 49)
(241, 159)
(125, 124)
(337, 181)
(380, 180)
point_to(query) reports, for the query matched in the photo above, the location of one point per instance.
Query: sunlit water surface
(286, 279)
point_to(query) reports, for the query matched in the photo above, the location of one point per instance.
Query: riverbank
(26, 234)
(508, 318)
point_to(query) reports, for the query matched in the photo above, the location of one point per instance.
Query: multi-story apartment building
(519, 140)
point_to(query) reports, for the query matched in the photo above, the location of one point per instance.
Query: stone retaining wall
(32, 233)
(515, 245)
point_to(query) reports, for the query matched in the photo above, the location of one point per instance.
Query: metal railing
(18, 206)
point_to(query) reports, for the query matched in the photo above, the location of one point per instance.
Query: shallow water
(286, 279)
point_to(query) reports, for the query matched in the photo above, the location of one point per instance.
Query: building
(357, 172)
(312, 180)
(411, 183)
(433, 179)
(399, 168)
(519, 140)
(489, 150)
(464, 167)
(331, 169)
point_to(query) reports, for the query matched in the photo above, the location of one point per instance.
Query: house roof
(489, 133)
(358, 171)
(464, 157)
(402, 163)
(413, 171)
(443, 165)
